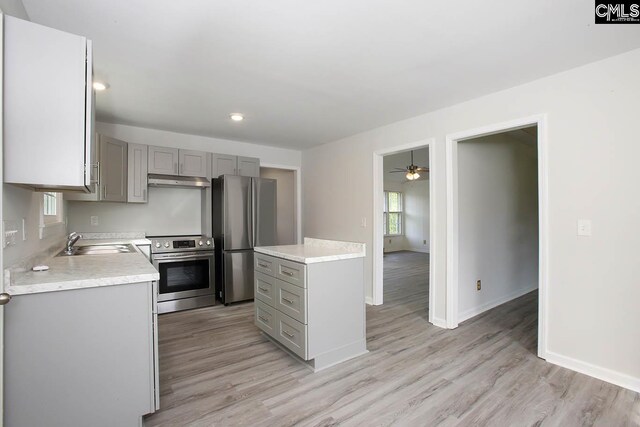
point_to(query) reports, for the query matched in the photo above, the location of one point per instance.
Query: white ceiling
(305, 72)
(402, 160)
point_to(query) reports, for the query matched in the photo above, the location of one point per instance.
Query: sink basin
(106, 249)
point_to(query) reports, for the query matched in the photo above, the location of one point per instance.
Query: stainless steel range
(186, 266)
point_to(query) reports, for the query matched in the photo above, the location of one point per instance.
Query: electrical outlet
(424, 242)
(389, 241)
(94, 221)
(478, 285)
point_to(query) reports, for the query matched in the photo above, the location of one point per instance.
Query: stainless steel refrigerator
(243, 217)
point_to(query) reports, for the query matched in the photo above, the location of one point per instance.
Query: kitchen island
(81, 340)
(309, 299)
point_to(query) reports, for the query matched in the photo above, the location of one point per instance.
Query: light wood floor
(216, 369)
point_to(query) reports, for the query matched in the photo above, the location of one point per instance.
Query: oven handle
(177, 257)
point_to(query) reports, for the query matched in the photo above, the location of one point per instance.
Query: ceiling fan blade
(402, 171)
(421, 169)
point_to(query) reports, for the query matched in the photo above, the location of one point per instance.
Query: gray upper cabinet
(163, 160)
(172, 161)
(193, 163)
(224, 164)
(48, 107)
(113, 170)
(249, 166)
(137, 173)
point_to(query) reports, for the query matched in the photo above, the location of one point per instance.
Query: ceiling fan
(412, 170)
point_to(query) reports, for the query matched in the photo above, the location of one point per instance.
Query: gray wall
(498, 222)
(286, 203)
(169, 211)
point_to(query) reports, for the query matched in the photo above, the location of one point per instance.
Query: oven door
(184, 275)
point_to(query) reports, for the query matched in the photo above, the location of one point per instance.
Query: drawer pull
(263, 289)
(288, 334)
(263, 265)
(287, 300)
(288, 273)
(263, 319)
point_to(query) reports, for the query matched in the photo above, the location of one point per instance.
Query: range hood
(177, 181)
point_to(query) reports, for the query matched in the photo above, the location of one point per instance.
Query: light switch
(584, 227)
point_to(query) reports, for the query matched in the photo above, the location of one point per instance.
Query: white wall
(416, 215)
(285, 205)
(592, 147)
(497, 220)
(268, 155)
(19, 203)
(170, 211)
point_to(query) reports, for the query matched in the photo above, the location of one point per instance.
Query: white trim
(378, 188)
(474, 311)
(297, 176)
(604, 374)
(368, 300)
(441, 323)
(543, 217)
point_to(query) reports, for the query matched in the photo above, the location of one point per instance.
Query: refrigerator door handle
(250, 215)
(254, 213)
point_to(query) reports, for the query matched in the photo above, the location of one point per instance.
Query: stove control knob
(208, 242)
(157, 244)
(200, 243)
(166, 244)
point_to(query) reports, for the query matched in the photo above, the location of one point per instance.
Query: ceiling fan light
(416, 175)
(410, 176)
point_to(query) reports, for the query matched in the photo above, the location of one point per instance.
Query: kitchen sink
(107, 249)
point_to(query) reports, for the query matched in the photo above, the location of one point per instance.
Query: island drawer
(292, 334)
(265, 317)
(292, 272)
(291, 300)
(265, 288)
(264, 263)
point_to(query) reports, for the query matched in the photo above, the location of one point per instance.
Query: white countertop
(86, 271)
(315, 250)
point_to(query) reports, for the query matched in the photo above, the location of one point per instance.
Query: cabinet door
(193, 163)
(223, 164)
(137, 174)
(249, 166)
(45, 105)
(163, 160)
(113, 169)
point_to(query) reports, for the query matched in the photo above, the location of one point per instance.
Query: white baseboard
(604, 374)
(441, 323)
(423, 249)
(368, 300)
(474, 311)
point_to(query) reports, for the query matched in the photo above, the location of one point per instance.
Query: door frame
(297, 178)
(543, 217)
(377, 215)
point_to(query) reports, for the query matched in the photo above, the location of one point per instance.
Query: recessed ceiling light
(236, 117)
(100, 86)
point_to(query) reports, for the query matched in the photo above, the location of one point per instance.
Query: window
(51, 219)
(392, 213)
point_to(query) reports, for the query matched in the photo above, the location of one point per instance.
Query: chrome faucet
(72, 238)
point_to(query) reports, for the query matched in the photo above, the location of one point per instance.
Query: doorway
(420, 243)
(496, 219)
(286, 207)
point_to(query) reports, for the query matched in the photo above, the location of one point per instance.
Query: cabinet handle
(263, 265)
(104, 192)
(263, 289)
(288, 273)
(288, 334)
(4, 298)
(263, 319)
(287, 300)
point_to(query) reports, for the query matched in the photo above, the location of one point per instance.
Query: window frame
(49, 224)
(386, 212)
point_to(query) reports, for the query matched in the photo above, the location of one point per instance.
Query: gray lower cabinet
(81, 357)
(137, 173)
(315, 311)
